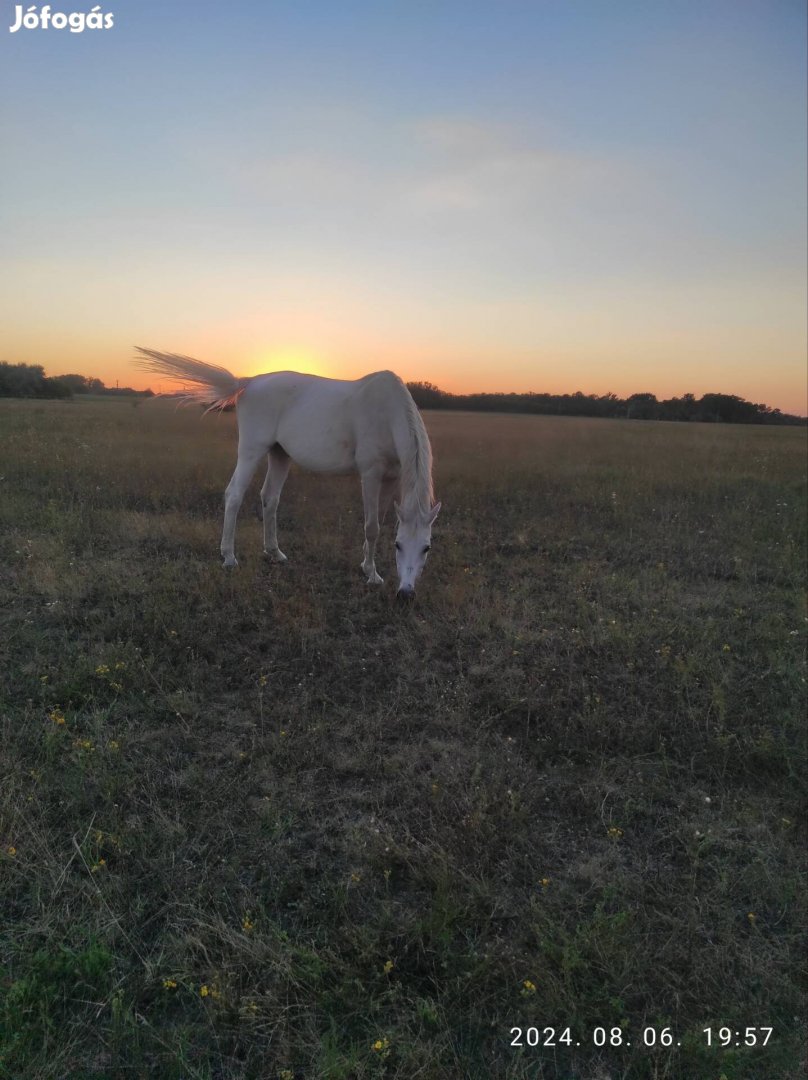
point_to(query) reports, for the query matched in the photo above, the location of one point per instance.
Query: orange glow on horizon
(482, 371)
(565, 377)
(292, 358)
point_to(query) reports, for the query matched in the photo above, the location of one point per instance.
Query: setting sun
(288, 359)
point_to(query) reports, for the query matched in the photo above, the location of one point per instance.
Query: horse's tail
(203, 384)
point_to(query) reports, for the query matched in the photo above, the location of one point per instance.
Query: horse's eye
(398, 546)
(426, 549)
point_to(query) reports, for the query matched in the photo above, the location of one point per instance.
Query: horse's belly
(324, 448)
(325, 462)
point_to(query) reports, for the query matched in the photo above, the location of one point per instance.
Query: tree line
(712, 408)
(30, 381)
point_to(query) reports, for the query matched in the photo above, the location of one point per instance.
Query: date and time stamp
(648, 1037)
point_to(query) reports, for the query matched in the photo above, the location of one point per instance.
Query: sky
(556, 195)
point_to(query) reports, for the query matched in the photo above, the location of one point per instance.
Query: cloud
(411, 167)
(470, 166)
(457, 136)
(305, 177)
(509, 180)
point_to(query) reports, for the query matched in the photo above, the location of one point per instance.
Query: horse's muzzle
(406, 592)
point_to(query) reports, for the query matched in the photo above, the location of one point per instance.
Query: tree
(642, 407)
(77, 383)
(428, 396)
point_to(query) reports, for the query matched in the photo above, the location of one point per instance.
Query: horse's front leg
(371, 485)
(279, 462)
(386, 496)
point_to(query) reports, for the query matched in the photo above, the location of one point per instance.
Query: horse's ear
(434, 513)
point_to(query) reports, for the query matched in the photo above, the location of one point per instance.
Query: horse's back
(326, 425)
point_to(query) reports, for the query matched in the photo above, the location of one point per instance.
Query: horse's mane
(416, 465)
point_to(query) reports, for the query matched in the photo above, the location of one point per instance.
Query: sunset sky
(512, 195)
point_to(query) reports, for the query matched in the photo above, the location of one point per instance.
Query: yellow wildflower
(388, 967)
(56, 716)
(169, 984)
(11, 851)
(380, 1045)
(102, 669)
(528, 988)
(247, 923)
(614, 833)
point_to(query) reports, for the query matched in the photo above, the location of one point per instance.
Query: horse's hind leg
(248, 458)
(279, 462)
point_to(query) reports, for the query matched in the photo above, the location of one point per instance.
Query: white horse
(370, 426)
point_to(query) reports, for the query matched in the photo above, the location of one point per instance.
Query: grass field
(267, 823)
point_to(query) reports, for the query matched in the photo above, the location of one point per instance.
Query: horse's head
(413, 538)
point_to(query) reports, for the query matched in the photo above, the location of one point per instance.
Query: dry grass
(577, 760)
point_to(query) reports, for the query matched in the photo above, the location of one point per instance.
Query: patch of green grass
(576, 762)
(54, 988)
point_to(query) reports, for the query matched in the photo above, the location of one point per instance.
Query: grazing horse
(370, 426)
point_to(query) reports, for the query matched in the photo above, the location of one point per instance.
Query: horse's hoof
(275, 556)
(230, 563)
(374, 579)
